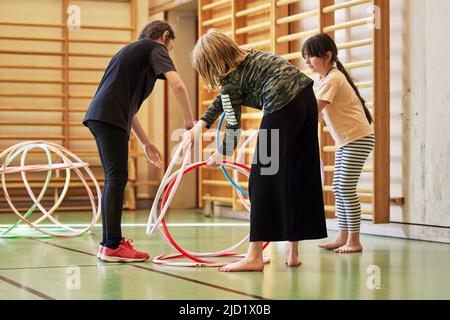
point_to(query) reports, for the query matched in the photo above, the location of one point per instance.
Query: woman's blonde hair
(214, 56)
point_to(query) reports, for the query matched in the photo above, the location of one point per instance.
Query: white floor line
(130, 225)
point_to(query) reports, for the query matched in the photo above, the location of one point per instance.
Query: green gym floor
(56, 268)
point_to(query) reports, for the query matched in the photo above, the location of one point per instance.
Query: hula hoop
(69, 162)
(224, 170)
(158, 222)
(173, 180)
(194, 255)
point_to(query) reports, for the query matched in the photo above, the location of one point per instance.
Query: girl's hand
(215, 160)
(153, 155)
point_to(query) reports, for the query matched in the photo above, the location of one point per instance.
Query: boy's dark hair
(155, 29)
(318, 46)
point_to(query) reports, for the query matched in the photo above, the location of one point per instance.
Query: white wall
(420, 61)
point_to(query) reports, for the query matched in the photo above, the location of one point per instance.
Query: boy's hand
(153, 155)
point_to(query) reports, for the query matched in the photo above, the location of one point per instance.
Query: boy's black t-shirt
(128, 81)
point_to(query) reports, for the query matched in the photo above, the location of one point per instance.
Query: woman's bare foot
(340, 240)
(244, 265)
(292, 259)
(293, 262)
(253, 260)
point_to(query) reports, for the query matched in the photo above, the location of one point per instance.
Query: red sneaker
(125, 252)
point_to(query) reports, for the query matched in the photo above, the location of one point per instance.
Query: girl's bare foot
(352, 245)
(341, 240)
(349, 248)
(332, 245)
(244, 265)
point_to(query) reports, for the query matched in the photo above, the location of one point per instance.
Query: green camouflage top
(263, 81)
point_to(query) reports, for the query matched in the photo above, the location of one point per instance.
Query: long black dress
(288, 205)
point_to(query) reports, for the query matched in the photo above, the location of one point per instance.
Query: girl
(286, 203)
(349, 121)
(111, 116)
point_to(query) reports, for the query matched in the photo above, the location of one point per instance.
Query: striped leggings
(348, 166)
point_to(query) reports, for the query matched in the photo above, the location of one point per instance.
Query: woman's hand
(215, 160)
(189, 136)
(188, 125)
(193, 134)
(153, 155)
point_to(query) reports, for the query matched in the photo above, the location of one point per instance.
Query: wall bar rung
(299, 16)
(30, 123)
(31, 109)
(292, 56)
(106, 28)
(16, 66)
(32, 39)
(354, 44)
(286, 2)
(258, 26)
(363, 85)
(358, 64)
(256, 44)
(252, 10)
(297, 36)
(31, 137)
(329, 188)
(28, 24)
(218, 199)
(331, 169)
(344, 5)
(32, 53)
(31, 95)
(32, 81)
(215, 4)
(217, 20)
(97, 41)
(363, 210)
(350, 24)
